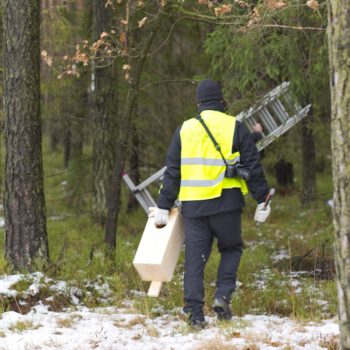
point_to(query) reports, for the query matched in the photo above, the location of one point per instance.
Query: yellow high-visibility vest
(202, 167)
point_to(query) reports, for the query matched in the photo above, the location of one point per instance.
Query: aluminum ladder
(278, 111)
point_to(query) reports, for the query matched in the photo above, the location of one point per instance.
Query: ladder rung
(250, 123)
(279, 110)
(283, 128)
(267, 120)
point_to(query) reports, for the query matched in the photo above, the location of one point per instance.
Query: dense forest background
(90, 55)
(118, 77)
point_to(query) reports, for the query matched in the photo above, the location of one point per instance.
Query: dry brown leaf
(241, 3)
(203, 2)
(49, 61)
(275, 4)
(313, 4)
(44, 53)
(103, 34)
(221, 10)
(122, 38)
(142, 22)
(126, 67)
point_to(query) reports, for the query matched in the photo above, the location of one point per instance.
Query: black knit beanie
(208, 90)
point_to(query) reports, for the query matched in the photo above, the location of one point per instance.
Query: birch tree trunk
(339, 54)
(24, 202)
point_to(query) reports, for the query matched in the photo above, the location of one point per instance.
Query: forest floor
(285, 298)
(46, 323)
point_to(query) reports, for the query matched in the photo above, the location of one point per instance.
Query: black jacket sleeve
(249, 158)
(257, 136)
(172, 175)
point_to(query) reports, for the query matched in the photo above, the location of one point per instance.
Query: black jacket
(230, 199)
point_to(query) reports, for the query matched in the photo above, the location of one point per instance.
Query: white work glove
(161, 216)
(262, 213)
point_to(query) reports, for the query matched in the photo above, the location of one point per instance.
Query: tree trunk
(121, 150)
(339, 54)
(309, 162)
(134, 162)
(106, 111)
(67, 143)
(24, 202)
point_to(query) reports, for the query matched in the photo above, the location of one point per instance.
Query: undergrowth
(265, 286)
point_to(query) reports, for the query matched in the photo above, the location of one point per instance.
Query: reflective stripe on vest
(202, 168)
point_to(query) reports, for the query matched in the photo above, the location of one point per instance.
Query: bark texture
(106, 113)
(24, 202)
(309, 162)
(339, 54)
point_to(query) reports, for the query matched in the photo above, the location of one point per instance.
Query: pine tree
(24, 202)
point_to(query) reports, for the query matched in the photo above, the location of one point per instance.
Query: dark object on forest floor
(311, 264)
(284, 175)
(319, 268)
(23, 304)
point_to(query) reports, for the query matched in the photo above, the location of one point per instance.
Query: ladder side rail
(151, 179)
(290, 104)
(271, 96)
(283, 128)
(138, 195)
(148, 198)
(129, 182)
(145, 204)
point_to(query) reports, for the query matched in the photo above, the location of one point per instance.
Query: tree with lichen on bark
(339, 55)
(24, 202)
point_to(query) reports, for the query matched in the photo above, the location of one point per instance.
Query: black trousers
(199, 235)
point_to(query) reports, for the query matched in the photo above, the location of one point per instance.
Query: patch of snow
(281, 255)
(330, 202)
(2, 222)
(111, 328)
(56, 217)
(6, 282)
(119, 328)
(138, 293)
(60, 286)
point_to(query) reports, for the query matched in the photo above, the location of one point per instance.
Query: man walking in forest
(211, 162)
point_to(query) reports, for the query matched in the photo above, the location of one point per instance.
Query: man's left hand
(262, 212)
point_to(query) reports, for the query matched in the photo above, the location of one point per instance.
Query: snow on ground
(121, 328)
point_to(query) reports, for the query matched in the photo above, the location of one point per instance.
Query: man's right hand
(161, 216)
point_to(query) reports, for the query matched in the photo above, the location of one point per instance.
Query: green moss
(22, 285)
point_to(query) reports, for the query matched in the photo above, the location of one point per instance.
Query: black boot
(196, 317)
(222, 308)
